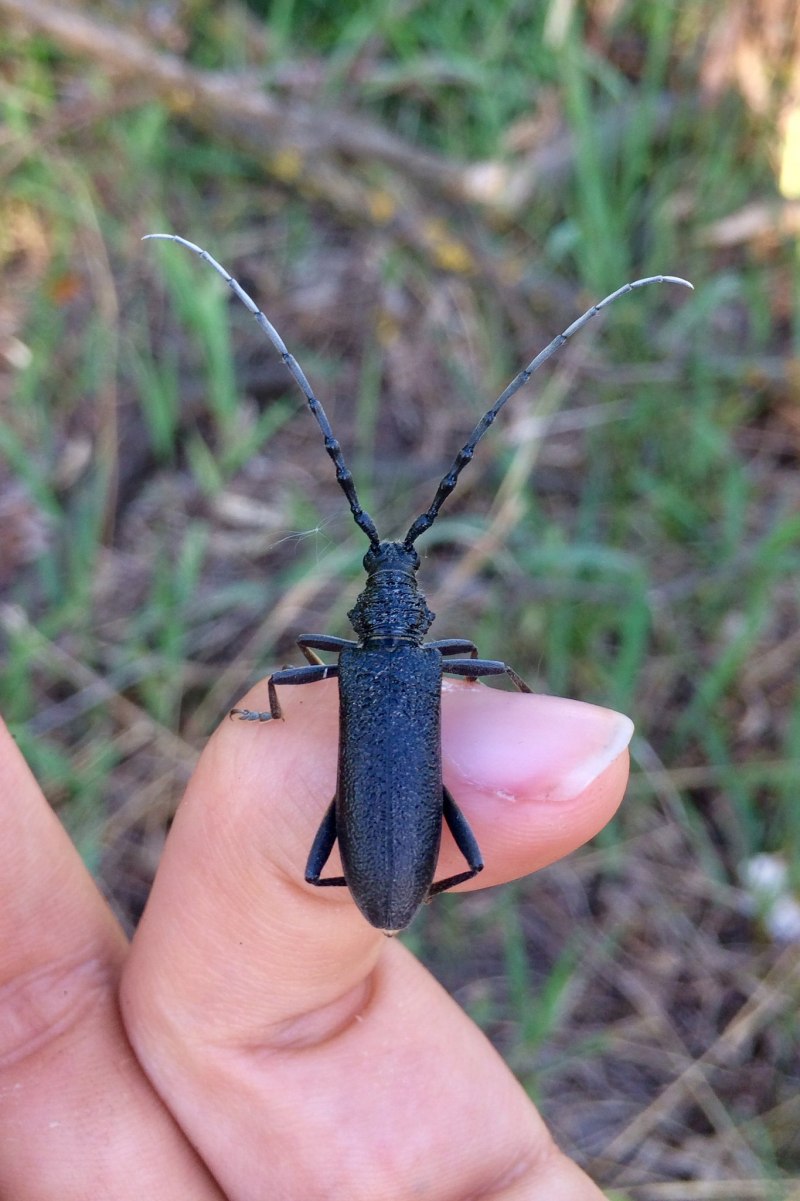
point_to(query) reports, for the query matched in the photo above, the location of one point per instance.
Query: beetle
(390, 803)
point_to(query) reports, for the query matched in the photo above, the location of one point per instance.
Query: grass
(627, 534)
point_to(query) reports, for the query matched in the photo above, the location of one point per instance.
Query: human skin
(258, 1039)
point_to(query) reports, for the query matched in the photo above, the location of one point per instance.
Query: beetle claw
(249, 715)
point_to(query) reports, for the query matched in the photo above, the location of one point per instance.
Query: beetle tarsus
(250, 715)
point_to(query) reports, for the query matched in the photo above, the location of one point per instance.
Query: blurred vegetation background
(420, 196)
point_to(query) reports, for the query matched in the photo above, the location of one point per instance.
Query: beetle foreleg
(454, 646)
(289, 675)
(473, 669)
(466, 842)
(309, 643)
(321, 851)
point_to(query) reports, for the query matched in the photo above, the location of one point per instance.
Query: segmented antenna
(345, 479)
(464, 456)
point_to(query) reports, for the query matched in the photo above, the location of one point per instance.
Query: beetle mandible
(388, 809)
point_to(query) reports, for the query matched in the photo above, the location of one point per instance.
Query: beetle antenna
(334, 450)
(464, 456)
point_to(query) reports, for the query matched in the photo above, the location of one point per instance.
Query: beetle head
(391, 556)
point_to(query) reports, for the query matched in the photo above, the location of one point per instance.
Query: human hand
(259, 1038)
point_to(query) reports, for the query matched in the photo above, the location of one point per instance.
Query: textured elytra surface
(390, 777)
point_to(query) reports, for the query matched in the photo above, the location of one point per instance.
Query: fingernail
(519, 745)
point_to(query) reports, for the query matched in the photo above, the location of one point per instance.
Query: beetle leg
(321, 849)
(474, 668)
(466, 842)
(309, 643)
(289, 675)
(454, 646)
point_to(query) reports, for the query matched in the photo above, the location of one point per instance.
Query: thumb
(273, 1018)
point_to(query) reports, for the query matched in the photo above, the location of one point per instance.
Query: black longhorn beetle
(390, 800)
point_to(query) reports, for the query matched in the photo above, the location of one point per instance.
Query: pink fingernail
(519, 745)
